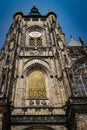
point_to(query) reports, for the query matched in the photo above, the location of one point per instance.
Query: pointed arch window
(37, 87)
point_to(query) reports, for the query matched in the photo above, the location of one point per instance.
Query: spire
(34, 11)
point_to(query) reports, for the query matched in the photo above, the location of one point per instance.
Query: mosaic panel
(37, 87)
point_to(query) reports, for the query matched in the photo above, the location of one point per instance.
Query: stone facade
(43, 80)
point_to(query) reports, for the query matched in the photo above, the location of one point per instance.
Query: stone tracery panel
(78, 79)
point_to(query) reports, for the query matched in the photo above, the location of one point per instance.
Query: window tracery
(35, 40)
(31, 42)
(79, 79)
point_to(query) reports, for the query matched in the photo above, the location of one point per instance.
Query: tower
(36, 75)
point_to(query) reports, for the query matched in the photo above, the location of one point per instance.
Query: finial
(19, 10)
(49, 10)
(81, 41)
(34, 5)
(71, 37)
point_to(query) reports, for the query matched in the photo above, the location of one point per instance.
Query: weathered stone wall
(81, 120)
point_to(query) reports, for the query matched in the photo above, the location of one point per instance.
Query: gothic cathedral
(43, 80)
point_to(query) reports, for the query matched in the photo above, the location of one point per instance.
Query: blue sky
(72, 15)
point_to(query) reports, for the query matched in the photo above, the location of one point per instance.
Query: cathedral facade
(43, 82)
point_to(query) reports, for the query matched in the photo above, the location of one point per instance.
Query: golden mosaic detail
(37, 87)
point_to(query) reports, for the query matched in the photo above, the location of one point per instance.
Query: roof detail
(34, 11)
(18, 13)
(50, 12)
(74, 43)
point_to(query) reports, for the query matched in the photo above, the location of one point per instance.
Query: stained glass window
(37, 87)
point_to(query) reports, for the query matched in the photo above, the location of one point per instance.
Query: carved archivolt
(36, 62)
